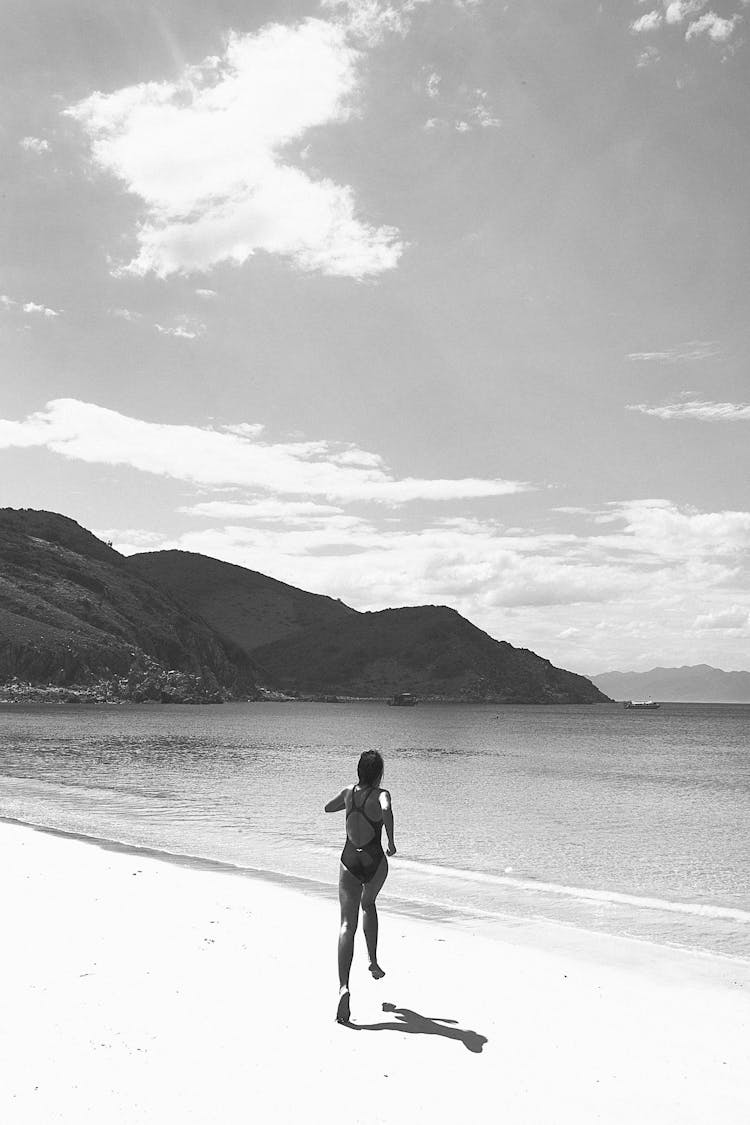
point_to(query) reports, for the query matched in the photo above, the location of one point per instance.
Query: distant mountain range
(696, 683)
(82, 621)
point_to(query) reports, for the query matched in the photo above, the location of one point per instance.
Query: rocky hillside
(431, 651)
(176, 626)
(242, 605)
(73, 613)
(312, 645)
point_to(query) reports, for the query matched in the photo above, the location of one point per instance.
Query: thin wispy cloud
(206, 155)
(232, 455)
(696, 410)
(682, 353)
(368, 22)
(126, 314)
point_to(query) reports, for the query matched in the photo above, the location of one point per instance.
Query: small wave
(698, 909)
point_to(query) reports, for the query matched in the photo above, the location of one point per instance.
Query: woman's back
(364, 814)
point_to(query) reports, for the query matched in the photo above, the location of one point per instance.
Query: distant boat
(403, 699)
(641, 705)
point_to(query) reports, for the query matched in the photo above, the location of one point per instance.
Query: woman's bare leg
(370, 892)
(350, 892)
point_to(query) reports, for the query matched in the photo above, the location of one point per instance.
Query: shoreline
(541, 933)
(146, 991)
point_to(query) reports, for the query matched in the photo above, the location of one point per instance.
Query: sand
(138, 990)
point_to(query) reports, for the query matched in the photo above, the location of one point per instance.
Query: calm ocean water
(634, 823)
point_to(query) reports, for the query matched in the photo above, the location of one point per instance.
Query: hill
(177, 626)
(696, 683)
(242, 605)
(430, 650)
(312, 645)
(73, 613)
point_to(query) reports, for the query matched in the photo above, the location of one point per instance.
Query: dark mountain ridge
(314, 645)
(431, 651)
(176, 626)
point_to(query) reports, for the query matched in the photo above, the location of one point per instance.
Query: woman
(363, 868)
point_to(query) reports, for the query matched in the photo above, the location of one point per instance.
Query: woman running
(363, 868)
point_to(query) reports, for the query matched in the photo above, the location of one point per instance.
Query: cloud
(34, 144)
(289, 512)
(42, 310)
(206, 155)
(27, 306)
(481, 114)
(369, 21)
(207, 294)
(718, 29)
(475, 110)
(693, 350)
(697, 411)
(648, 22)
(184, 328)
(662, 530)
(676, 11)
(231, 456)
(736, 617)
(432, 85)
(126, 314)
(647, 57)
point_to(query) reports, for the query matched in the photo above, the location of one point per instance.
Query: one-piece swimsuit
(363, 862)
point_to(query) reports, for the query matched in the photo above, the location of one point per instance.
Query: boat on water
(403, 699)
(641, 705)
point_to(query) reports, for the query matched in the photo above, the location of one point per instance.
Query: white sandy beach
(138, 990)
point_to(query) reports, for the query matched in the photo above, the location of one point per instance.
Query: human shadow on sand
(412, 1023)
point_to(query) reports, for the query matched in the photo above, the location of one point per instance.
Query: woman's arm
(338, 803)
(387, 807)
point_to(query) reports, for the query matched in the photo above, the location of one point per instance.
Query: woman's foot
(376, 971)
(343, 1010)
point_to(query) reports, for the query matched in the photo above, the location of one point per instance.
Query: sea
(629, 823)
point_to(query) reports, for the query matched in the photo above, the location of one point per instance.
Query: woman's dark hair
(370, 767)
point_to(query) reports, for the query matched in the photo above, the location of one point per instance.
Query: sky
(408, 302)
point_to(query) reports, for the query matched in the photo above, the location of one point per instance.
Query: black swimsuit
(363, 862)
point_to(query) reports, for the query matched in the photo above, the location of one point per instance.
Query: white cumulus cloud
(206, 155)
(648, 22)
(676, 11)
(719, 29)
